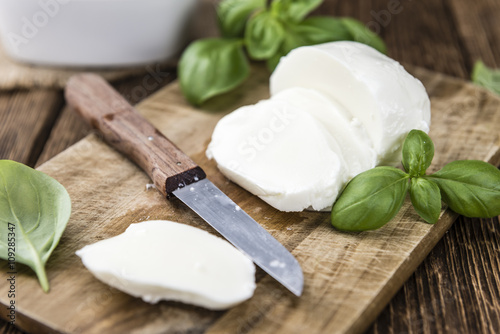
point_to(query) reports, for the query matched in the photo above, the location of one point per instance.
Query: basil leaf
(263, 35)
(470, 187)
(274, 61)
(292, 39)
(34, 211)
(360, 33)
(426, 199)
(315, 30)
(323, 29)
(233, 15)
(486, 77)
(210, 67)
(294, 11)
(418, 151)
(371, 199)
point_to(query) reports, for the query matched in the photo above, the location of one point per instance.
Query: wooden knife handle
(127, 131)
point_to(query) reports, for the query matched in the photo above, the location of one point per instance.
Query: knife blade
(176, 175)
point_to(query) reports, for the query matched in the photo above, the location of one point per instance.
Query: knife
(176, 175)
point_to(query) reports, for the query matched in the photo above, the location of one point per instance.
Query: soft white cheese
(163, 260)
(336, 110)
(375, 89)
(350, 135)
(281, 154)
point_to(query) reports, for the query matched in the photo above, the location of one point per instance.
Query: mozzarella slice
(281, 154)
(350, 135)
(158, 260)
(375, 89)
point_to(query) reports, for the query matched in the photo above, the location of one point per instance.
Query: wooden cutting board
(349, 277)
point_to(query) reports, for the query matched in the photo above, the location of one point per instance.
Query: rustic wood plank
(70, 128)
(400, 49)
(279, 314)
(129, 133)
(456, 288)
(349, 277)
(419, 33)
(5, 328)
(67, 130)
(31, 115)
(477, 26)
(26, 118)
(452, 308)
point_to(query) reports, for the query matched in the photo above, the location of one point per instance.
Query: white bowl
(94, 33)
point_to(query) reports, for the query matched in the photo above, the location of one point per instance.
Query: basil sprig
(34, 211)
(371, 199)
(210, 67)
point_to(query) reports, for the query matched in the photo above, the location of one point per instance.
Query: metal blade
(243, 232)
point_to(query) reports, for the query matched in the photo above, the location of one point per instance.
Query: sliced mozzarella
(281, 154)
(375, 89)
(158, 260)
(355, 145)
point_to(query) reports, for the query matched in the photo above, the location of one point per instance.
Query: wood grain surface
(121, 126)
(456, 289)
(349, 277)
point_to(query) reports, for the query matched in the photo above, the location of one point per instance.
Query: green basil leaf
(233, 15)
(360, 33)
(426, 199)
(317, 30)
(34, 211)
(323, 29)
(263, 35)
(418, 151)
(274, 61)
(314, 30)
(294, 11)
(470, 188)
(486, 77)
(291, 40)
(371, 199)
(210, 67)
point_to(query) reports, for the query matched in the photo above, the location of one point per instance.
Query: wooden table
(457, 287)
